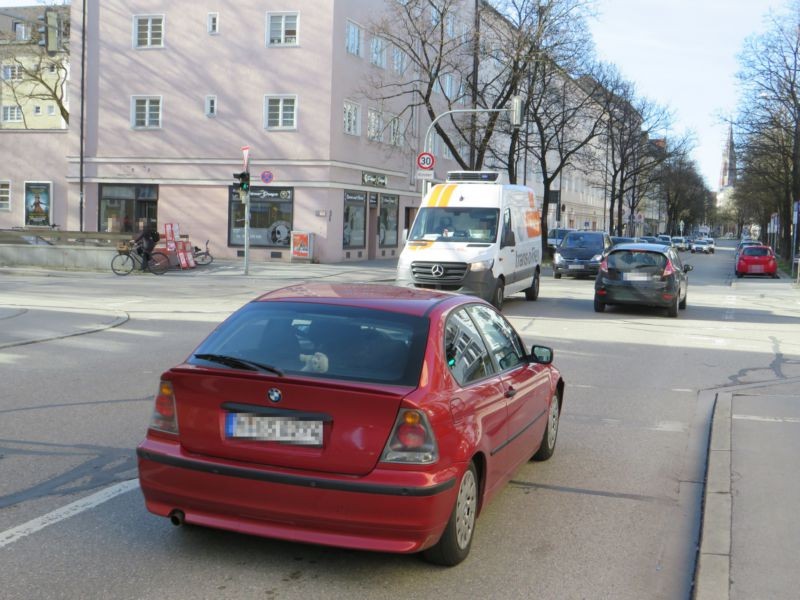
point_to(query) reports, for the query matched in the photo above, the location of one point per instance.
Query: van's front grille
(439, 274)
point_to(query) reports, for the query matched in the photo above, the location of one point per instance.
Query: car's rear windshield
(637, 260)
(577, 239)
(755, 251)
(320, 340)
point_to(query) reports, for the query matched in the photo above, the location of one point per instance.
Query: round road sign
(266, 176)
(425, 160)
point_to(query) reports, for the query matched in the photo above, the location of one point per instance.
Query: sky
(682, 54)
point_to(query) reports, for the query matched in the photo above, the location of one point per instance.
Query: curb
(714, 564)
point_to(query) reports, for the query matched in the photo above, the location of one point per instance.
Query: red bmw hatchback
(756, 260)
(361, 416)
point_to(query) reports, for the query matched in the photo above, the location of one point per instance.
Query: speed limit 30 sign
(425, 160)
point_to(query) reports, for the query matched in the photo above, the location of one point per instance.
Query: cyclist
(146, 241)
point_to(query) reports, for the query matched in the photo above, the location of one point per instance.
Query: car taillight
(165, 416)
(412, 440)
(669, 269)
(604, 265)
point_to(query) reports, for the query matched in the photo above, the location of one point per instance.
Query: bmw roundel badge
(274, 395)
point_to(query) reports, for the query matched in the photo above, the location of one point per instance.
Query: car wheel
(682, 304)
(672, 311)
(556, 275)
(498, 294)
(599, 305)
(532, 293)
(548, 446)
(454, 545)
(775, 275)
(739, 275)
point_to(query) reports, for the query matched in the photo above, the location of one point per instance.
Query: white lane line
(766, 419)
(65, 512)
(681, 390)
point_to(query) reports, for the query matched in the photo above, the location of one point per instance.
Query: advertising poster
(37, 203)
(301, 244)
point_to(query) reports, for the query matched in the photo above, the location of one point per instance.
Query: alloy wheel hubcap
(465, 509)
(552, 428)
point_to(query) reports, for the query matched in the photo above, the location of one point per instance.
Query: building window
(12, 114)
(355, 219)
(378, 54)
(22, 33)
(352, 118)
(51, 110)
(387, 221)
(146, 112)
(374, 125)
(127, 208)
(399, 60)
(396, 131)
(51, 68)
(353, 40)
(282, 29)
(280, 112)
(211, 106)
(213, 23)
(12, 72)
(5, 195)
(37, 110)
(148, 31)
(447, 85)
(271, 217)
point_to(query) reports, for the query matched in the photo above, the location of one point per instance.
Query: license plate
(576, 267)
(756, 269)
(635, 276)
(273, 429)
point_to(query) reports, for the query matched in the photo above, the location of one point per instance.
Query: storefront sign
(37, 203)
(374, 179)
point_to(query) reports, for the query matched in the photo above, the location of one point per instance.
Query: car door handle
(510, 392)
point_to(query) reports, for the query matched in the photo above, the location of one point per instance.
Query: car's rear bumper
(659, 294)
(388, 510)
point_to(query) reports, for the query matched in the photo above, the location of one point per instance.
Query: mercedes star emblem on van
(437, 270)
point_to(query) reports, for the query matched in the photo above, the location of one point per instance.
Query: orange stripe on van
(447, 193)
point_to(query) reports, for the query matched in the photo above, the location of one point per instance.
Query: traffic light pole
(246, 197)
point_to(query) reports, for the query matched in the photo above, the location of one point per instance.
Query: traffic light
(242, 183)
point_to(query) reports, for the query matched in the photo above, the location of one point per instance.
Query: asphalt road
(614, 514)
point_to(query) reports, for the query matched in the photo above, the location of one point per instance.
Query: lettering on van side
(526, 259)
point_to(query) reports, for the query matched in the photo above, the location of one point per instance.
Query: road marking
(766, 419)
(681, 390)
(65, 512)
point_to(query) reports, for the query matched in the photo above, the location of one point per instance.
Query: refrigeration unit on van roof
(474, 176)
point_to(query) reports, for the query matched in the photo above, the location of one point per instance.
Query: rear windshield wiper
(239, 363)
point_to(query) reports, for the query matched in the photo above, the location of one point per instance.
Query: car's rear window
(321, 340)
(636, 260)
(755, 251)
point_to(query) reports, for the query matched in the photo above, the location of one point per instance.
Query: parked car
(554, 237)
(372, 417)
(665, 239)
(580, 253)
(712, 243)
(642, 274)
(744, 244)
(650, 239)
(756, 260)
(618, 239)
(702, 246)
(680, 243)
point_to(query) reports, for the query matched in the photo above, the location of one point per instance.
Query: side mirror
(687, 268)
(508, 239)
(541, 355)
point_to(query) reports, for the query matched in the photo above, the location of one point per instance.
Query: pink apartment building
(174, 90)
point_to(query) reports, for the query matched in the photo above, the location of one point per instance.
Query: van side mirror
(508, 239)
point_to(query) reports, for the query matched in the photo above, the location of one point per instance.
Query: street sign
(425, 175)
(266, 176)
(425, 161)
(245, 158)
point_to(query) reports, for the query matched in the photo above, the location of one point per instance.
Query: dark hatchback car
(642, 274)
(360, 416)
(580, 253)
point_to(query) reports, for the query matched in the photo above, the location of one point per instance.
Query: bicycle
(202, 257)
(129, 258)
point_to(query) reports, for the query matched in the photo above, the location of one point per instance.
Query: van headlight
(483, 265)
(557, 258)
(597, 258)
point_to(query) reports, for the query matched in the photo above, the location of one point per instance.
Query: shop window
(387, 222)
(271, 217)
(127, 208)
(355, 219)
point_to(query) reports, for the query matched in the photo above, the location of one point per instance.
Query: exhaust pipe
(177, 518)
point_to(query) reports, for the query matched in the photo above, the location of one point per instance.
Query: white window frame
(374, 125)
(281, 98)
(282, 16)
(12, 72)
(150, 17)
(212, 23)
(148, 100)
(446, 81)
(377, 54)
(395, 129)
(5, 194)
(399, 60)
(211, 106)
(12, 113)
(51, 110)
(353, 37)
(351, 118)
(22, 32)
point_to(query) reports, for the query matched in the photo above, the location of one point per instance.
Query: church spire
(728, 175)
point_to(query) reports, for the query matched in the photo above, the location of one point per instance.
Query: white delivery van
(475, 235)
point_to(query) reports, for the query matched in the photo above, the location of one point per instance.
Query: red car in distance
(756, 260)
(361, 416)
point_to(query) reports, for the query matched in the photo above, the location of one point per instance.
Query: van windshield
(455, 224)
